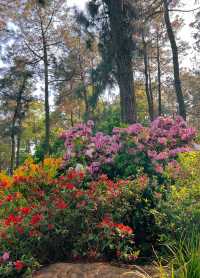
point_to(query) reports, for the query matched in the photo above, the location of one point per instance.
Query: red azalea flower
(50, 226)
(81, 204)
(79, 193)
(55, 191)
(9, 198)
(69, 186)
(71, 175)
(36, 219)
(20, 230)
(124, 229)
(34, 233)
(19, 265)
(61, 204)
(40, 193)
(25, 210)
(106, 222)
(12, 219)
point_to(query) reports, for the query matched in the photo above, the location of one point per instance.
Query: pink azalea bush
(128, 149)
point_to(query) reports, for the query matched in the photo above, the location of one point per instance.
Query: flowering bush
(18, 268)
(91, 151)
(129, 149)
(5, 181)
(31, 171)
(105, 205)
(68, 220)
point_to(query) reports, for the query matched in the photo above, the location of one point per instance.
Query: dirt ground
(95, 270)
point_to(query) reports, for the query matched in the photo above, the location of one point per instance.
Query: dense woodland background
(116, 63)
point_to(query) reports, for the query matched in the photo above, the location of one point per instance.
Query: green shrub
(181, 209)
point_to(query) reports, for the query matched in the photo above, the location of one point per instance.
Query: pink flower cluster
(167, 138)
(71, 136)
(96, 149)
(161, 142)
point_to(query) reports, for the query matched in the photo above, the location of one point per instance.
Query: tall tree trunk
(151, 91)
(46, 102)
(159, 76)
(177, 81)
(87, 110)
(149, 98)
(121, 35)
(72, 118)
(126, 86)
(12, 158)
(19, 133)
(18, 149)
(14, 120)
(85, 97)
(28, 146)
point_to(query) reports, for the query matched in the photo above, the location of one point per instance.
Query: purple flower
(90, 123)
(161, 156)
(159, 168)
(6, 256)
(152, 154)
(108, 160)
(134, 129)
(162, 140)
(94, 168)
(174, 152)
(117, 130)
(89, 153)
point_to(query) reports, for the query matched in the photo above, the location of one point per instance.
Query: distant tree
(39, 27)
(175, 54)
(15, 96)
(75, 71)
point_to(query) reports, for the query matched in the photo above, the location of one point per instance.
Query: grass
(184, 259)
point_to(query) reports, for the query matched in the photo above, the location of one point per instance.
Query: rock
(92, 270)
(196, 147)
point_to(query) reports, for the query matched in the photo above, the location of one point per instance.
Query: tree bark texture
(146, 74)
(159, 76)
(121, 36)
(177, 81)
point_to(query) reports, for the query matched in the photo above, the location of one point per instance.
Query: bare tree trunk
(150, 90)
(87, 110)
(46, 89)
(149, 98)
(121, 34)
(14, 120)
(177, 81)
(18, 149)
(85, 97)
(72, 118)
(127, 98)
(28, 147)
(12, 158)
(159, 76)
